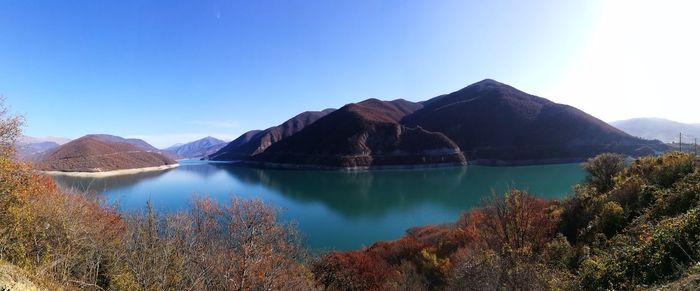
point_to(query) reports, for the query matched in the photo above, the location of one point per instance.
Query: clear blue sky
(171, 71)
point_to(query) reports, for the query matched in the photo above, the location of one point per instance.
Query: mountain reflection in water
(335, 209)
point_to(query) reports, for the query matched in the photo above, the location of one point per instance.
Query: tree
(517, 220)
(10, 130)
(601, 170)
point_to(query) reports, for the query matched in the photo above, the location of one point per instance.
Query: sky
(173, 71)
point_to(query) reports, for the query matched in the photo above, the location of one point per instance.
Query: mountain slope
(198, 148)
(491, 121)
(657, 128)
(254, 142)
(362, 135)
(139, 143)
(94, 154)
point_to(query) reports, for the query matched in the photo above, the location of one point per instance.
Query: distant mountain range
(100, 152)
(657, 128)
(57, 140)
(197, 149)
(32, 149)
(487, 122)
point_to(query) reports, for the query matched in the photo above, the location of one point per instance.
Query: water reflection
(105, 184)
(335, 209)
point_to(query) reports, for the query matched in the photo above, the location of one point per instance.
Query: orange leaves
(235, 246)
(507, 231)
(517, 220)
(358, 270)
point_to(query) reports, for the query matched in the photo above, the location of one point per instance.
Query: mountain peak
(489, 82)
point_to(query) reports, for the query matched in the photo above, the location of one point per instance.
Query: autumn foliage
(490, 244)
(630, 226)
(73, 241)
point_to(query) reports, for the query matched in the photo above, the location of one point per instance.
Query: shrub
(601, 170)
(358, 270)
(611, 219)
(239, 246)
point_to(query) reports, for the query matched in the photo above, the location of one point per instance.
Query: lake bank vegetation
(629, 226)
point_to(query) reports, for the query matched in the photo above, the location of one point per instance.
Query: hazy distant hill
(198, 148)
(657, 128)
(53, 139)
(95, 153)
(254, 142)
(32, 149)
(486, 122)
(30, 152)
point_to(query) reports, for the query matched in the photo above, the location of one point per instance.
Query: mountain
(657, 128)
(198, 148)
(493, 122)
(254, 142)
(173, 147)
(363, 134)
(30, 152)
(95, 153)
(31, 149)
(487, 122)
(30, 139)
(139, 143)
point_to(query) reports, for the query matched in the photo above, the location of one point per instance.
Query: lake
(335, 209)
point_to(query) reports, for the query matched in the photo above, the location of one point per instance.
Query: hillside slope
(254, 142)
(94, 154)
(363, 134)
(493, 122)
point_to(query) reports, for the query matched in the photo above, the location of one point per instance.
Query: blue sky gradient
(172, 71)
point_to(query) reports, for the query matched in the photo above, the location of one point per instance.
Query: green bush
(602, 169)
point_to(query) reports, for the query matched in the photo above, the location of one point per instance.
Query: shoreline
(277, 166)
(111, 173)
(480, 162)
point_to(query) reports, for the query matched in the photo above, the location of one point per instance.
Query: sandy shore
(111, 173)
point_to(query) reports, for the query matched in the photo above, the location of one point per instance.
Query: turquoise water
(334, 209)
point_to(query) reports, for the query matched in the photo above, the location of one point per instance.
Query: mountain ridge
(256, 141)
(486, 122)
(197, 149)
(665, 130)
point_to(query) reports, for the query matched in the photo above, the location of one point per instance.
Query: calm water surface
(333, 209)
